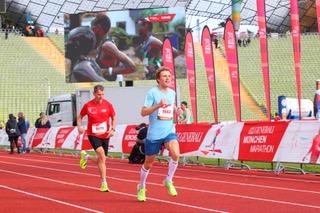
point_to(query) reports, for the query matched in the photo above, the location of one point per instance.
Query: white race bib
(99, 128)
(165, 112)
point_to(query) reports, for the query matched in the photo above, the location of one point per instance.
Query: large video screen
(122, 45)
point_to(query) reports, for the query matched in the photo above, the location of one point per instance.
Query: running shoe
(83, 162)
(104, 187)
(141, 194)
(171, 190)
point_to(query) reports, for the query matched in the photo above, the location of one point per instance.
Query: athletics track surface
(50, 183)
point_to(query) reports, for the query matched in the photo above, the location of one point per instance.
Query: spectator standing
(13, 133)
(244, 42)
(216, 42)
(38, 119)
(27, 122)
(186, 117)
(248, 41)
(23, 131)
(239, 42)
(288, 33)
(304, 30)
(99, 112)
(43, 122)
(277, 117)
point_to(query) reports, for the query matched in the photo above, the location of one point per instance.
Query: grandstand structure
(48, 15)
(281, 68)
(32, 68)
(28, 75)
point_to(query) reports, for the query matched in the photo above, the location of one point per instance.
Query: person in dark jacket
(13, 132)
(43, 122)
(23, 131)
(38, 119)
(137, 154)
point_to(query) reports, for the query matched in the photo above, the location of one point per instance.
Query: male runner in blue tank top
(159, 105)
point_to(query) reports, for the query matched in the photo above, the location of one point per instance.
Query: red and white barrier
(248, 141)
(4, 138)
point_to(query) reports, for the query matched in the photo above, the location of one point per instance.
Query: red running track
(51, 183)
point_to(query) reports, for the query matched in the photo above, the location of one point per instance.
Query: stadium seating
(281, 68)
(58, 41)
(27, 76)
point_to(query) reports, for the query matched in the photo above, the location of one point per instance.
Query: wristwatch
(113, 129)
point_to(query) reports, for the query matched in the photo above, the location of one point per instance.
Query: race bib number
(165, 112)
(99, 128)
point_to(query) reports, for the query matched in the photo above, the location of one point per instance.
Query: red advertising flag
(264, 52)
(190, 64)
(318, 15)
(190, 136)
(295, 25)
(232, 58)
(259, 141)
(168, 61)
(206, 45)
(62, 135)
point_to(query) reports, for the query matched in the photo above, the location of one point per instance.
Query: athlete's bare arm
(149, 110)
(91, 73)
(156, 43)
(112, 50)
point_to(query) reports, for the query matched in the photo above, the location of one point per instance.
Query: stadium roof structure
(48, 14)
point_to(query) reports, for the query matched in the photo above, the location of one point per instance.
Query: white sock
(86, 156)
(171, 170)
(103, 181)
(143, 177)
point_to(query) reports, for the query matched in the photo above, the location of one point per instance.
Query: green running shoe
(141, 194)
(104, 187)
(171, 190)
(83, 162)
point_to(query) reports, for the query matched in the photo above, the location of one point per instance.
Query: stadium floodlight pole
(48, 85)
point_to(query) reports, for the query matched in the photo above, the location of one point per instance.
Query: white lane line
(121, 193)
(180, 169)
(155, 184)
(176, 176)
(50, 199)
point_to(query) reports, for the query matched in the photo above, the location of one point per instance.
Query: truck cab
(61, 110)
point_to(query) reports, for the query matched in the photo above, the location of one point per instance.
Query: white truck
(62, 110)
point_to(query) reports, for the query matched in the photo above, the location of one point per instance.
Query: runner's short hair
(98, 87)
(161, 69)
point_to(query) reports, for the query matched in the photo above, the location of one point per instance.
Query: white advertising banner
(295, 141)
(300, 143)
